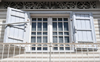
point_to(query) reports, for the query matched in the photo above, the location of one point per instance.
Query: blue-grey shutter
(83, 27)
(15, 33)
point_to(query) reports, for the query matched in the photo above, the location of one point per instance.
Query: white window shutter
(83, 27)
(15, 33)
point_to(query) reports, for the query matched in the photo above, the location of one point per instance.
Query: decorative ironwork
(51, 5)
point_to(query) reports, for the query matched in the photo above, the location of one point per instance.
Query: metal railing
(49, 52)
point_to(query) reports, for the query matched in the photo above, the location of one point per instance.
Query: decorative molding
(52, 5)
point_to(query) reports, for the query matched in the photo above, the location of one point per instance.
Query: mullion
(42, 35)
(57, 35)
(63, 30)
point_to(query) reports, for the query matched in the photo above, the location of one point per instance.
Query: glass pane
(33, 33)
(39, 26)
(39, 44)
(61, 45)
(66, 33)
(33, 45)
(44, 33)
(54, 39)
(55, 48)
(44, 26)
(33, 26)
(33, 19)
(60, 39)
(67, 48)
(65, 26)
(65, 19)
(39, 19)
(60, 33)
(59, 19)
(66, 39)
(33, 39)
(54, 26)
(45, 45)
(61, 48)
(33, 48)
(54, 19)
(54, 33)
(44, 39)
(38, 48)
(44, 19)
(60, 26)
(38, 39)
(38, 33)
(44, 48)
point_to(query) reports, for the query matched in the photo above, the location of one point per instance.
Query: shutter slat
(16, 38)
(83, 27)
(15, 31)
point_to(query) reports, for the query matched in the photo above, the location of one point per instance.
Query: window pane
(60, 33)
(44, 39)
(33, 26)
(38, 39)
(55, 48)
(65, 19)
(66, 39)
(44, 26)
(66, 33)
(38, 33)
(33, 48)
(44, 48)
(38, 48)
(44, 19)
(60, 26)
(44, 33)
(54, 26)
(54, 33)
(33, 33)
(67, 48)
(54, 39)
(59, 19)
(61, 48)
(60, 39)
(39, 19)
(54, 19)
(65, 26)
(39, 26)
(33, 39)
(33, 19)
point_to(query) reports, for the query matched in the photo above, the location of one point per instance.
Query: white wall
(55, 56)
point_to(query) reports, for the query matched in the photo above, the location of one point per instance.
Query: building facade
(50, 31)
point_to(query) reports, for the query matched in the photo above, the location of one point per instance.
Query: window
(49, 29)
(39, 33)
(60, 32)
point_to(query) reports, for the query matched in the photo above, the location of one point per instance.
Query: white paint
(17, 32)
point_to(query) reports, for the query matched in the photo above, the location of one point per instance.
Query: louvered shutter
(15, 33)
(83, 27)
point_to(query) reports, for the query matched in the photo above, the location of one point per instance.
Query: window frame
(28, 49)
(70, 38)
